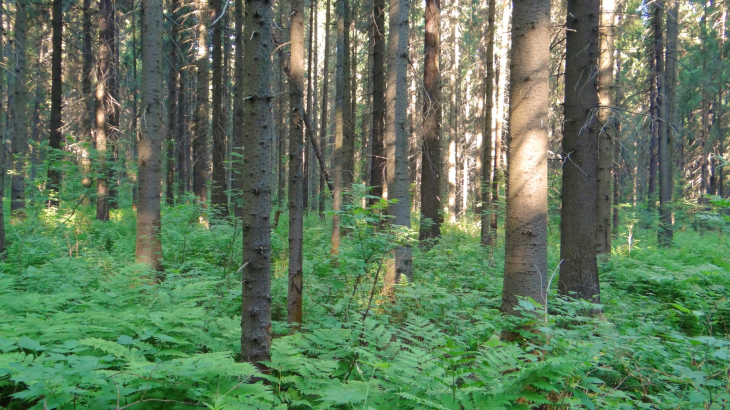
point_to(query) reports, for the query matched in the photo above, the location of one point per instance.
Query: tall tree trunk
(616, 167)
(670, 98)
(202, 96)
(256, 184)
(453, 113)
(18, 112)
(325, 92)
(88, 97)
(3, 138)
(313, 173)
(132, 173)
(665, 174)
(485, 210)
(348, 132)
(396, 139)
(181, 135)
(502, 95)
(307, 149)
(55, 137)
(525, 267)
(218, 197)
(296, 182)
(238, 113)
(581, 129)
(431, 151)
(149, 247)
(654, 110)
(339, 161)
(604, 194)
(172, 99)
(377, 168)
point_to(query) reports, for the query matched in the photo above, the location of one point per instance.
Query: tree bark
(654, 110)
(18, 112)
(238, 114)
(325, 93)
(307, 150)
(341, 105)
(604, 195)
(56, 136)
(256, 184)
(172, 99)
(348, 131)
(296, 182)
(3, 138)
(202, 96)
(453, 114)
(502, 96)
(218, 197)
(664, 233)
(88, 97)
(525, 267)
(396, 139)
(485, 210)
(182, 141)
(579, 267)
(377, 169)
(149, 247)
(431, 150)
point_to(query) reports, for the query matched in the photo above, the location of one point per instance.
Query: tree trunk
(664, 233)
(616, 168)
(19, 113)
(307, 149)
(202, 95)
(56, 136)
(88, 98)
(654, 110)
(296, 182)
(604, 194)
(181, 137)
(325, 92)
(135, 114)
(377, 168)
(172, 98)
(502, 95)
(149, 248)
(313, 174)
(256, 184)
(453, 113)
(339, 160)
(431, 151)
(579, 268)
(525, 267)
(396, 138)
(485, 210)
(218, 197)
(348, 132)
(238, 114)
(3, 139)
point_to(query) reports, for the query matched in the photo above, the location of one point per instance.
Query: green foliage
(82, 326)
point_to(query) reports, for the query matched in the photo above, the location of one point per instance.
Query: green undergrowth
(82, 326)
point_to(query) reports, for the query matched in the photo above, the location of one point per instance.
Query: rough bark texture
(579, 268)
(502, 96)
(182, 148)
(308, 150)
(348, 131)
(485, 210)
(218, 197)
(149, 163)
(338, 153)
(431, 150)
(172, 98)
(525, 266)
(396, 138)
(3, 139)
(18, 112)
(654, 111)
(377, 168)
(323, 118)
(238, 124)
(256, 186)
(604, 195)
(202, 96)
(296, 187)
(618, 100)
(88, 119)
(453, 113)
(55, 135)
(665, 174)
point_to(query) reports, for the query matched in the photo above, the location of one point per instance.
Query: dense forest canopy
(485, 204)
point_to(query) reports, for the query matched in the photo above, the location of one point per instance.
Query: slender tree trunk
(88, 119)
(181, 140)
(581, 129)
(377, 169)
(339, 155)
(502, 95)
(3, 137)
(325, 92)
(172, 99)
(307, 149)
(256, 184)
(617, 148)
(348, 131)
(654, 110)
(218, 197)
(149, 248)
(453, 113)
(135, 128)
(604, 194)
(296, 182)
(56, 136)
(525, 267)
(202, 96)
(113, 110)
(485, 210)
(431, 151)
(396, 138)
(238, 113)
(665, 174)
(18, 112)
(313, 173)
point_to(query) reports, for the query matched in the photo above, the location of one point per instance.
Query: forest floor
(82, 326)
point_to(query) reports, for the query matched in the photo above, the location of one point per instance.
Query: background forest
(482, 204)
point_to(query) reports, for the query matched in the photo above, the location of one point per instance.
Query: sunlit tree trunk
(341, 106)
(172, 100)
(55, 135)
(3, 137)
(238, 114)
(665, 174)
(323, 119)
(256, 184)
(502, 97)
(396, 138)
(525, 266)
(88, 98)
(453, 113)
(18, 112)
(218, 197)
(485, 210)
(149, 248)
(377, 167)
(202, 96)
